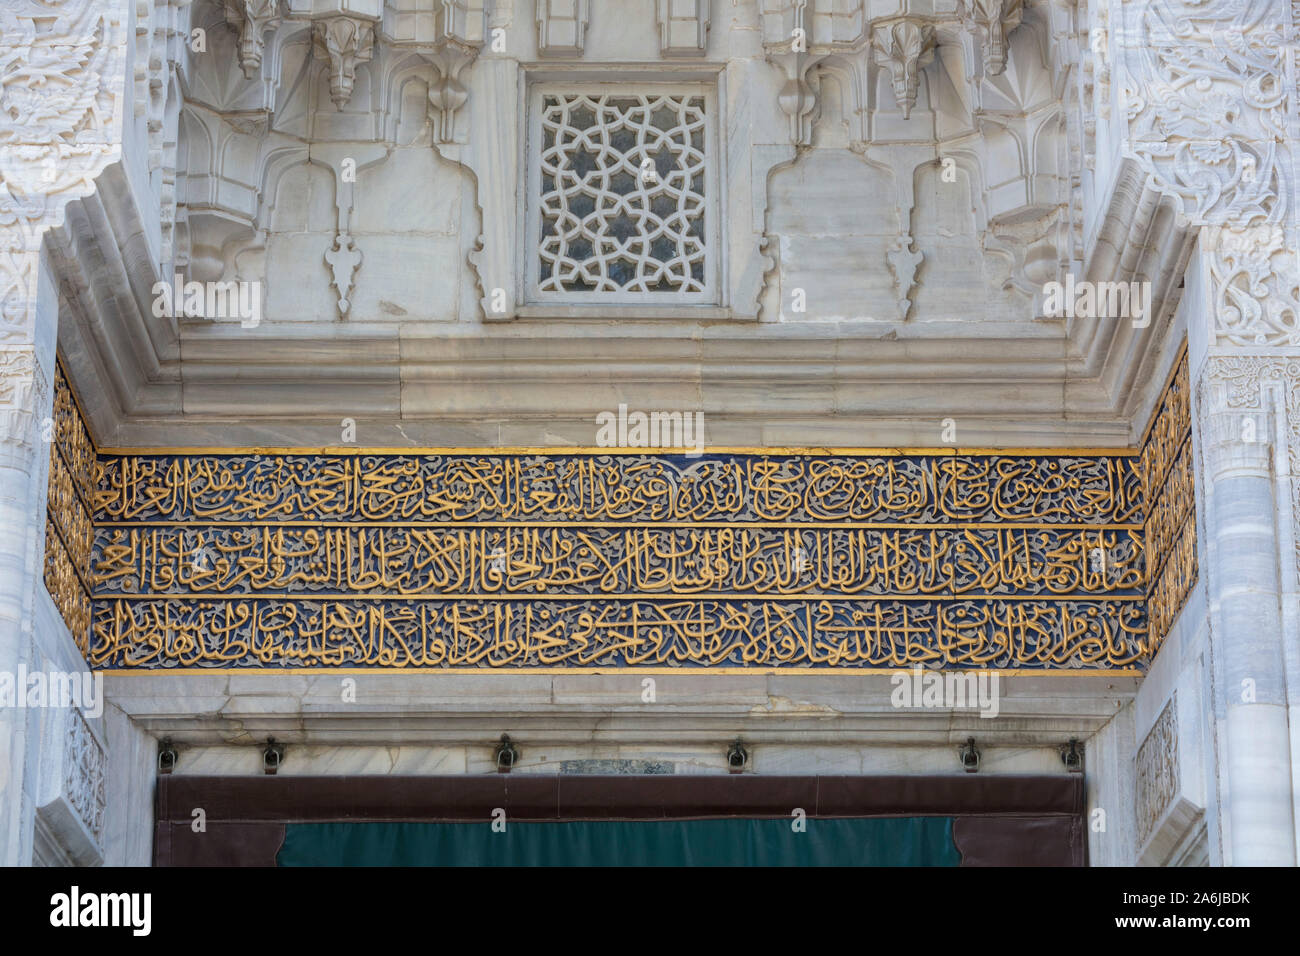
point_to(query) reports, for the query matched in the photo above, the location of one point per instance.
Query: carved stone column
(1244, 591)
(62, 75)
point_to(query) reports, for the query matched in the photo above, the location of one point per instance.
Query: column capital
(1236, 443)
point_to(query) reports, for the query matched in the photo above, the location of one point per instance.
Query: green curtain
(867, 841)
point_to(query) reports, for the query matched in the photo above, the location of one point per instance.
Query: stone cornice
(575, 708)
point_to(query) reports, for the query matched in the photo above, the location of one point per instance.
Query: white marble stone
(917, 173)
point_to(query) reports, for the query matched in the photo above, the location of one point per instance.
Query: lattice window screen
(624, 197)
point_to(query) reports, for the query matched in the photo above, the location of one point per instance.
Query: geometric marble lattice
(623, 203)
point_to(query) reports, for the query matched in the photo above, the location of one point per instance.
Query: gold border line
(461, 524)
(758, 671)
(415, 450)
(426, 597)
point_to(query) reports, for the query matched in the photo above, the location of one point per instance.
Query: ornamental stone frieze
(963, 162)
(227, 192)
(1204, 111)
(1254, 280)
(1204, 104)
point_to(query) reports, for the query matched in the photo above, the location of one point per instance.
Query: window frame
(533, 298)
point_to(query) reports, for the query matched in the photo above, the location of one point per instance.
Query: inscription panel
(619, 560)
(1170, 493)
(527, 560)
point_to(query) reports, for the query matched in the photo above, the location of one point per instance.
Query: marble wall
(1097, 140)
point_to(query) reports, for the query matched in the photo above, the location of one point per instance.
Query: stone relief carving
(220, 186)
(1255, 280)
(345, 42)
(344, 260)
(1028, 225)
(235, 159)
(905, 46)
(447, 94)
(85, 775)
(1235, 383)
(1157, 771)
(993, 20)
(250, 19)
(903, 263)
(18, 382)
(60, 125)
(160, 43)
(1205, 105)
